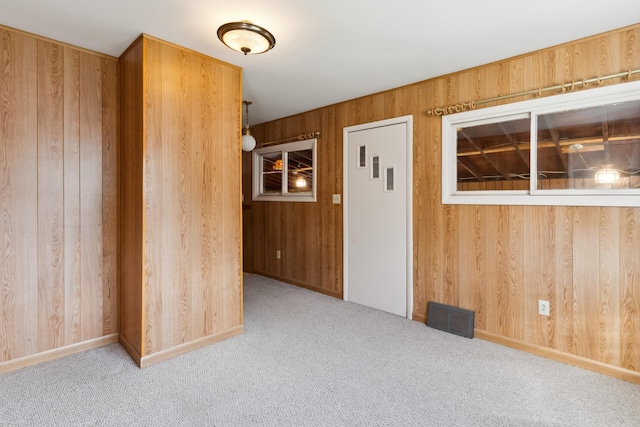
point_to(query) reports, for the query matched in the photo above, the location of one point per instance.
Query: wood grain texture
(73, 282)
(110, 206)
(496, 260)
(183, 283)
(131, 225)
(630, 289)
(54, 100)
(91, 194)
(19, 222)
(50, 193)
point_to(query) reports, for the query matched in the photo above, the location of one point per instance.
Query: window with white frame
(574, 149)
(285, 172)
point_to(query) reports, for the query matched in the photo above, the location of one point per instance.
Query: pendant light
(248, 141)
(245, 37)
(607, 175)
(301, 182)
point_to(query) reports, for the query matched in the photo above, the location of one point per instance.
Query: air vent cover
(447, 318)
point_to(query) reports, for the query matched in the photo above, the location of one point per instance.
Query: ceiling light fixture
(248, 141)
(607, 175)
(246, 37)
(301, 182)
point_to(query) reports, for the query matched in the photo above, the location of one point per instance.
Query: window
(575, 149)
(285, 172)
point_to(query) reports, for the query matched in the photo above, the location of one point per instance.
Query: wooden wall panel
(50, 196)
(630, 289)
(182, 287)
(496, 260)
(131, 201)
(19, 201)
(72, 255)
(91, 192)
(54, 102)
(110, 205)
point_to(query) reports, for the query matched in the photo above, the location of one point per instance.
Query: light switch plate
(336, 199)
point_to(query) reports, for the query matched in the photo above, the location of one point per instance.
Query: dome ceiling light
(246, 37)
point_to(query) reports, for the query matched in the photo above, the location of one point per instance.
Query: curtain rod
(456, 108)
(299, 137)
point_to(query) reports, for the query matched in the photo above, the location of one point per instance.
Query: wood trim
(59, 43)
(190, 346)
(560, 356)
(301, 284)
(133, 45)
(57, 353)
(193, 52)
(419, 317)
(130, 348)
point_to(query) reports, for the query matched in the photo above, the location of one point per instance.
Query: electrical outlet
(543, 307)
(278, 254)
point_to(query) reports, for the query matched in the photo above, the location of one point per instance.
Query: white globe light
(248, 142)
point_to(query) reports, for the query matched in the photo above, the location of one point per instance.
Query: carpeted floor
(306, 359)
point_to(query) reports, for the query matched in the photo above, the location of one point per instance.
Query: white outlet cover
(336, 199)
(543, 307)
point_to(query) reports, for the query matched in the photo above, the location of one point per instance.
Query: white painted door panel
(377, 218)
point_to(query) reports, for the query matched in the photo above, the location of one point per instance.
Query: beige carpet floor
(306, 359)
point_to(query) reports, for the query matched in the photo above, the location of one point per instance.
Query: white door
(377, 215)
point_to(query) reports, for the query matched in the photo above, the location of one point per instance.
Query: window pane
(494, 156)
(272, 173)
(389, 184)
(375, 167)
(300, 171)
(590, 148)
(362, 156)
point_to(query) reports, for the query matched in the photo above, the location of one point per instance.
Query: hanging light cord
(246, 105)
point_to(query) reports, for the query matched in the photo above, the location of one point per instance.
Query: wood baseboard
(300, 284)
(571, 359)
(160, 356)
(419, 318)
(131, 349)
(56, 353)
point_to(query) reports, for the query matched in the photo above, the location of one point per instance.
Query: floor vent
(450, 319)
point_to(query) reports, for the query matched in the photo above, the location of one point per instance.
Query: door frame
(408, 120)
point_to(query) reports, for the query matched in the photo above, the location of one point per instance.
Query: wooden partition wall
(181, 200)
(496, 260)
(58, 202)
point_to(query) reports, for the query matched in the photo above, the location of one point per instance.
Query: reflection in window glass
(300, 171)
(590, 148)
(494, 156)
(272, 172)
(285, 172)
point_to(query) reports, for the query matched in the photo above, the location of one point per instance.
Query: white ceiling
(328, 51)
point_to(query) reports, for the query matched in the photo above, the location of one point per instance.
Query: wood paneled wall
(58, 205)
(181, 173)
(496, 260)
